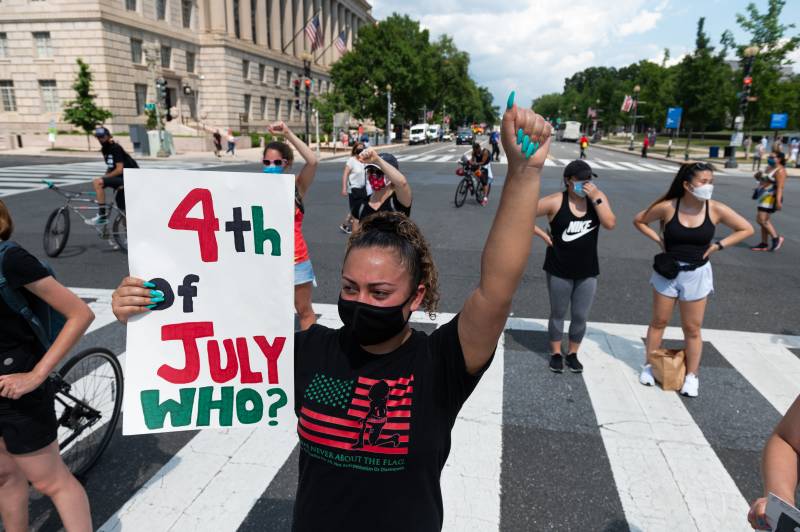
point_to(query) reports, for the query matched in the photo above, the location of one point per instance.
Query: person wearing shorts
(29, 450)
(575, 215)
(116, 159)
(688, 218)
(769, 197)
(354, 185)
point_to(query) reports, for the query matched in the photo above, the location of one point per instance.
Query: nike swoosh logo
(569, 237)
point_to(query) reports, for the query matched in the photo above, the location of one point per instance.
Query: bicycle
(469, 184)
(88, 400)
(56, 230)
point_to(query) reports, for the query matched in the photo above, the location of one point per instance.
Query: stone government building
(228, 63)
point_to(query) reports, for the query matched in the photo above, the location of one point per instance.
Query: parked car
(448, 136)
(433, 132)
(418, 134)
(464, 136)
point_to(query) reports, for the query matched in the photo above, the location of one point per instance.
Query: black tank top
(688, 244)
(573, 254)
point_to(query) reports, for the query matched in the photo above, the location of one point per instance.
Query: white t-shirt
(356, 178)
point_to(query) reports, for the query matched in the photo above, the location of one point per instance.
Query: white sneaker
(646, 376)
(98, 220)
(691, 385)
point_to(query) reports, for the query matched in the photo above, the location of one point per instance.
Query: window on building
(190, 59)
(263, 115)
(3, 44)
(276, 76)
(245, 69)
(136, 51)
(253, 19)
(47, 88)
(262, 72)
(166, 56)
(247, 100)
(43, 45)
(289, 110)
(140, 91)
(7, 95)
(130, 5)
(276, 110)
(236, 25)
(288, 79)
(161, 9)
(186, 13)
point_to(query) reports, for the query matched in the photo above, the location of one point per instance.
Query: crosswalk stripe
(425, 158)
(444, 159)
(633, 166)
(565, 162)
(656, 167)
(611, 165)
(407, 157)
(549, 162)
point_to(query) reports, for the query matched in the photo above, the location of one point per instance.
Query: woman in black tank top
(575, 216)
(688, 219)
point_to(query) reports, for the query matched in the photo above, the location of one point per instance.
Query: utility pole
(744, 97)
(152, 53)
(635, 108)
(388, 113)
(307, 58)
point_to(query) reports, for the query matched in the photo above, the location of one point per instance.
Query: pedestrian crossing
(531, 450)
(19, 179)
(596, 164)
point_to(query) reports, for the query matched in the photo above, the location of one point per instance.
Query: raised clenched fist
(525, 135)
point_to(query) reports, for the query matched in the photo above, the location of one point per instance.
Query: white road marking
(444, 159)
(425, 158)
(658, 168)
(614, 166)
(633, 166)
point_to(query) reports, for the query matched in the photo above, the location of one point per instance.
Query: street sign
(150, 107)
(778, 120)
(674, 117)
(736, 139)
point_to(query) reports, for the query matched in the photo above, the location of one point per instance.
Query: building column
(298, 27)
(231, 26)
(349, 18)
(288, 25)
(327, 29)
(332, 52)
(217, 16)
(245, 20)
(275, 24)
(261, 23)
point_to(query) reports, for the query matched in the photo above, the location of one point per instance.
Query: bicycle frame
(79, 203)
(91, 414)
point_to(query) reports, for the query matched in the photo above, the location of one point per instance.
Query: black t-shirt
(375, 429)
(113, 153)
(391, 204)
(20, 268)
(573, 254)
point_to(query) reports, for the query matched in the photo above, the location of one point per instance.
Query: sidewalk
(744, 168)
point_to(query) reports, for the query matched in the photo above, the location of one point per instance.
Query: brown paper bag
(669, 367)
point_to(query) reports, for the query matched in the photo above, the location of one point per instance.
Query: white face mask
(703, 192)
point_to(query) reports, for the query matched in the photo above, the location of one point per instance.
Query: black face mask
(371, 324)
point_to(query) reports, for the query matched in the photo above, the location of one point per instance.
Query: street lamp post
(636, 90)
(388, 113)
(738, 122)
(307, 59)
(152, 54)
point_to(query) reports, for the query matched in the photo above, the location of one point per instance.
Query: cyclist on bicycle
(28, 425)
(117, 159)
(481, 158)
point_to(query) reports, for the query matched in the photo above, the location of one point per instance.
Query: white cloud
(533, 45)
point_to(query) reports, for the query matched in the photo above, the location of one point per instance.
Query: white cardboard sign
(219, 351)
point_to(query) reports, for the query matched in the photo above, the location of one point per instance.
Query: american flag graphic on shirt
(363, 415)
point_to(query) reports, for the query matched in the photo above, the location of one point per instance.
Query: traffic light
(747, 81)
(297, 88)
(161, 89)
(297, 104)
(307, 83)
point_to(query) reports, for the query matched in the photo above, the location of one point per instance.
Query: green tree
(83, 112)
(770, 86)
(548, 105)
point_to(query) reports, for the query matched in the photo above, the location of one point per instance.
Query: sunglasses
(276, 162)
(702, 166)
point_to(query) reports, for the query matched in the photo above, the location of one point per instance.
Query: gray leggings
(578, 295)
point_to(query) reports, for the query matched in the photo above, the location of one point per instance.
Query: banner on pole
(674, 118)
(778, 120)
(219, 350)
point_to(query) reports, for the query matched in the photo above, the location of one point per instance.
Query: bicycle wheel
(119, 231)
(461, 192)
(478, 191)
(88, 402)
(56, 232)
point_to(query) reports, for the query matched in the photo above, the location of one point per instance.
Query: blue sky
(532, 45)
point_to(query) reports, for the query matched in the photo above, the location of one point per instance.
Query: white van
(571, 132)
(418, 134)
(433, 132)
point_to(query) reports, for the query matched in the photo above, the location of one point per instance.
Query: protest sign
(219, 350)
(782, 516)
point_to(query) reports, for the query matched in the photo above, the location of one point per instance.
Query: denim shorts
(688, 285)
(304, 273)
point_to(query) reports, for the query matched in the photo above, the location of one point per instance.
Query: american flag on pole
(340, 43)
(314, 32)
(626, 104)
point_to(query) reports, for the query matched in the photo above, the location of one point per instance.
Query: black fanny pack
(668, 266)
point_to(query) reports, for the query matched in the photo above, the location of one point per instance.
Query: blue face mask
(771, 161)
(273, 169)
(577, 187)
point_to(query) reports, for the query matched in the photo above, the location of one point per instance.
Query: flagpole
(302, 30)
(326, 49)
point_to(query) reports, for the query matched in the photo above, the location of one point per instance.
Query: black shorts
(29, 423)
(355, 197)
(770, 210)
(112, 182)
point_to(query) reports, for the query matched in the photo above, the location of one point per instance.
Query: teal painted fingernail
(520, 134)
(148, 284)
(151, 307)
(525, 143)
(157, 299)
(531, 150)
(510, 102)
(156, 293)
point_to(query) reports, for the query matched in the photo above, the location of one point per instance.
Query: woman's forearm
(779, 467)
(305, 152)
(69, 336)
